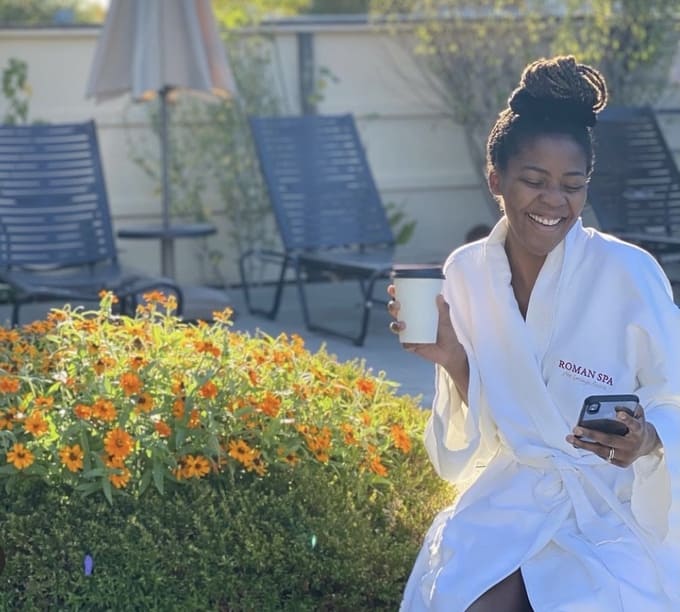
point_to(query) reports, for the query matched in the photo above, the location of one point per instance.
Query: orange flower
(290, 458)
(321, 455)
(82, 411)
(208, 390)
(137, 361)
(102, 364)
(257, 465)
(318, 440)
(36, 424)
(12, 335)
(178, 387)
(224, 316)
(178, 408)
(145, 403)
(7, 418)
(20, 456)
(44, 402)
(154, 296)
(56, 316)
(72, 457)
(366, 386)
(195, 467)
(348, 432)
(104, 294)
(118, 443)
(401, 438)
(162, 429)
(365, 418)
(239, 450)
(121, 478)
(376, 466)
(130, 383)
(207, 347)
(104, 410)
(297, 343)
(254, 379)
(86, 326)
(9, 384)
(302, 391)
(113, 462)
(270, 405)
(194, 419)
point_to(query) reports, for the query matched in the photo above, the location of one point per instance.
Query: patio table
(167, 236)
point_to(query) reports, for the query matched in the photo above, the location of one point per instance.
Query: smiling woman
(533, 319)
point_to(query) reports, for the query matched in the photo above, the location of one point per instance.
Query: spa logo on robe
(584, 373)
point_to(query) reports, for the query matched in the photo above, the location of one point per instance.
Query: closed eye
(574, 188)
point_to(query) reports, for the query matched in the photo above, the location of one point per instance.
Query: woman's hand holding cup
(446, 351)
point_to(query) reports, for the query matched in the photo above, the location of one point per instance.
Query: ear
(494, 182)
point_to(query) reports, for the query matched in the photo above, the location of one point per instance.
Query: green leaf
(88, 487)
(36, 470)
(145, 481)
(106, 486)
(159, 476)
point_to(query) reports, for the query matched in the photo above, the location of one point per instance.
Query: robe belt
(564, 479)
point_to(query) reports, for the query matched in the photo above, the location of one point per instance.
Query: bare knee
(509, 595)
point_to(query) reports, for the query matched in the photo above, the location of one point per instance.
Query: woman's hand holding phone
(620, 450)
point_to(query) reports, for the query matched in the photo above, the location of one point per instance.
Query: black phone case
(599, 412)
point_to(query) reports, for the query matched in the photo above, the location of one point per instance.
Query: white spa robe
(587, 535)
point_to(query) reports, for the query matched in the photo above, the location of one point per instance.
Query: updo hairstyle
(555, 96)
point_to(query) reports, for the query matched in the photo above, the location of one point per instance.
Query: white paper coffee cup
(416, 289)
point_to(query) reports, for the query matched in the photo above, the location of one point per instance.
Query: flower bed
(192, 467)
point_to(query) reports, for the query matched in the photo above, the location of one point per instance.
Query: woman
(533, 319)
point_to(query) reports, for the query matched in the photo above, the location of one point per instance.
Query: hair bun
(524, 104)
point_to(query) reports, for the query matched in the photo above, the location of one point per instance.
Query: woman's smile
(545, 221)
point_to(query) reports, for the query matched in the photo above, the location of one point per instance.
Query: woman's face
(543, 192)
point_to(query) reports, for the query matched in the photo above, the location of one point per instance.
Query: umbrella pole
(167, 246)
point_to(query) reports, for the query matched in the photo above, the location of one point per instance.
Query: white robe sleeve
(655, 498)
(458, 439)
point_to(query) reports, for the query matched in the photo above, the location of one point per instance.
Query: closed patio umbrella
(148, 48)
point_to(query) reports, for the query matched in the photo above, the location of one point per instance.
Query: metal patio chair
(635, 189)
(328, 211)
(56, 237)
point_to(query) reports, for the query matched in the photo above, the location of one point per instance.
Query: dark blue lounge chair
(56, 238)
(328, 210)
(635, 189)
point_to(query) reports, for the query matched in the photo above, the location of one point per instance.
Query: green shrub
(243, 473)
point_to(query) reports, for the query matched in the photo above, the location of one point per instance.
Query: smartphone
(599, 412)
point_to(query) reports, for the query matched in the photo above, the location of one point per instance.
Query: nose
(553, 196)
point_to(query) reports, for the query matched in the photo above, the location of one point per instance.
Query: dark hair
(554, 96)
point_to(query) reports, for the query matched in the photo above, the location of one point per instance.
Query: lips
(545, 221)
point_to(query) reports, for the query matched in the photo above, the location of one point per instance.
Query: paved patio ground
(335, 304)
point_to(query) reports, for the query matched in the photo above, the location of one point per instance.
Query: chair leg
(273, 311)
(367, 295)
(367, 292)
(16, 305)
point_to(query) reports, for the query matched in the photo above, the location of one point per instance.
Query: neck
(524, 268)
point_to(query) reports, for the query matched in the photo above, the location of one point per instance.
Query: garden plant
(151, 464)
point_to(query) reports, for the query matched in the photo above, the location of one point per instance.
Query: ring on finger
(610, 457)
(394, 327)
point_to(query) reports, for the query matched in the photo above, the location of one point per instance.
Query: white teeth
(545, 220)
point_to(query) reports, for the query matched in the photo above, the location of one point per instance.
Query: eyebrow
(544, 171)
